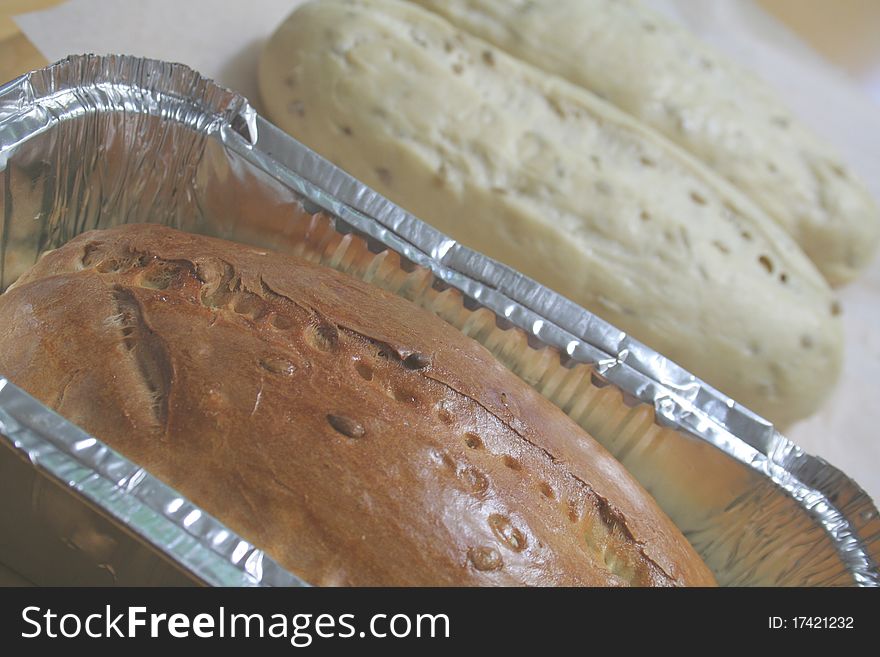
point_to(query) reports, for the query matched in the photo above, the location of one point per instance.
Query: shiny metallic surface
(96, 141)
(129, 495)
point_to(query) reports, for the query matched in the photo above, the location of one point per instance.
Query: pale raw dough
(538, 173)
(667, 78)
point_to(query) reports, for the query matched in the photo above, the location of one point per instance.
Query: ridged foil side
(95, 141)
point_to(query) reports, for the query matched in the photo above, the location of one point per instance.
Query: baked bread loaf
(355, 437)
(539, 174)
(660, 73)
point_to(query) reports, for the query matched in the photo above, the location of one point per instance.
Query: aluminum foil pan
(92, 142)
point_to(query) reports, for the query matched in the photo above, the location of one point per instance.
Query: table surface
(844, 32)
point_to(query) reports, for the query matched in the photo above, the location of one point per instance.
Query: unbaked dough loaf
(354, 436)
(663, 75)
(542, 175)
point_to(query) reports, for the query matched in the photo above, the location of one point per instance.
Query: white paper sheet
(222, 40)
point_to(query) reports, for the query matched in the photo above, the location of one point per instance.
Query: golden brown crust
(354, 436)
